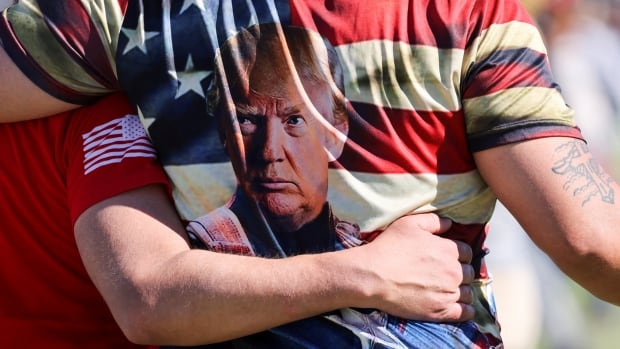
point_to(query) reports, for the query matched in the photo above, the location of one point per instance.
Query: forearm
(591, 239)
(565, 203)
(591, 255)
(197, 304)
(160, 291)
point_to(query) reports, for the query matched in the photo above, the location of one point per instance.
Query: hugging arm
(161, 291)
(565, 202)
(14, 106)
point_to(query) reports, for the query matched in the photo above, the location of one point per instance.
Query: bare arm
(160, 291)
(15, 87)
(566, 203)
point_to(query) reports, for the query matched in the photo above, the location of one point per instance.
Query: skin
(578, 234)
(282, 95)
(287, 150)
(160, 291)
(565, 203)
(12, 103)
(143, 269)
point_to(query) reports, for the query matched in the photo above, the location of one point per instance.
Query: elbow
(579, 255)
(152, 321)
(592, 248)
(595, 265)
(138, 313)
(140, 323)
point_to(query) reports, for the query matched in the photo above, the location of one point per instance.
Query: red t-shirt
(51, 170)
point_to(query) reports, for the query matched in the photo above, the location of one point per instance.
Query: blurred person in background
(584, 50)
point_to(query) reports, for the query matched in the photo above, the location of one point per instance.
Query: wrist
(353, 282)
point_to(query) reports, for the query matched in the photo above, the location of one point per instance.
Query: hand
(422, 276)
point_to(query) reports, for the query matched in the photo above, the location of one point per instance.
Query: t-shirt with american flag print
(431, 80)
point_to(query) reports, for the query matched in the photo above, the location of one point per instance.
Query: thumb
(428, 222)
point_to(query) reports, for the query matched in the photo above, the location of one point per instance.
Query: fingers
(465, 252)
(429, 222)
(469, 274)
(463, 310)
(466, 294)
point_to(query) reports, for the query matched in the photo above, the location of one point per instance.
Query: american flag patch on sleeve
(114, 141)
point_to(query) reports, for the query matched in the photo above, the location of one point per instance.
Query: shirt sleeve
(508, 90)
(66, 47)
(107, 152)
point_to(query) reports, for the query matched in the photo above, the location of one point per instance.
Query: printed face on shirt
(285, 147)
(284, 105)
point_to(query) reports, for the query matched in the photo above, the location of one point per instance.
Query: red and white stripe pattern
(114, 141)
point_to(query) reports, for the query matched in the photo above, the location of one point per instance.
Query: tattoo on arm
(584, 176)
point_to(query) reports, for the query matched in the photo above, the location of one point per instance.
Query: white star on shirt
(137, 37)
(188, 3)
(189, 80)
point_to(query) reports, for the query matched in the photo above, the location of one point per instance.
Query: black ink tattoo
(585, 177)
